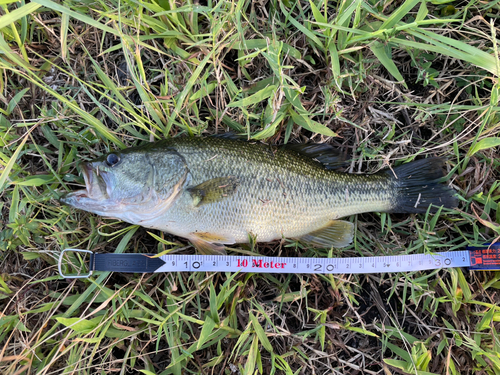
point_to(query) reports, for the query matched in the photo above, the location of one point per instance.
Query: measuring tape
(483, 258)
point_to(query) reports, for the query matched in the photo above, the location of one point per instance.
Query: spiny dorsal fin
(337, 233)
(213, 190)
(322, 152)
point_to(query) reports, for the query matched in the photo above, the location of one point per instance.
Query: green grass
(384, 81)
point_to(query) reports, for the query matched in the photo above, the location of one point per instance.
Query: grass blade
(484, 144)
(252, 357)
(255, 98)
(186, 91)
(401, 12)
(11, 163)
(81, 17)
(17, 14)
(260, 333)
(383, 55)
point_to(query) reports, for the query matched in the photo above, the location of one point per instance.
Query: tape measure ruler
(476, 258)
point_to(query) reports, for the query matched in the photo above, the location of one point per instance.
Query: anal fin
(337, 233)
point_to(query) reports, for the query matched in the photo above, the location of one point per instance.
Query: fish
(219, 191)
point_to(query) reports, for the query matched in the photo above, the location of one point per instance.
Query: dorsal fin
(324, 153)
(231, 135)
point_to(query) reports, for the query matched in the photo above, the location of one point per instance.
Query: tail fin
(418, 186)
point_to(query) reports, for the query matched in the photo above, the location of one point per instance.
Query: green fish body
(217, 191)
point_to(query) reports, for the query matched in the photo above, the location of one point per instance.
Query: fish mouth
(95, 188)
(95, 185)
(88, 177)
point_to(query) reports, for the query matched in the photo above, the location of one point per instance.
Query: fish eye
(112, 159)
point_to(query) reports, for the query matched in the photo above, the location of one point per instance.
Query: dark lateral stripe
(129, 263)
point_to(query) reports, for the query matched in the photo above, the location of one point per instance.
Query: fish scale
(313, 195)
(217, 191)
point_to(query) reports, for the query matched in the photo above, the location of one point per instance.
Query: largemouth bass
(217, 191)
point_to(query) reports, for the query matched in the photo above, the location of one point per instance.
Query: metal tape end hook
(74, 276)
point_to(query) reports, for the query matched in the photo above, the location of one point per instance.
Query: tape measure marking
(395, 263)
(476, 258)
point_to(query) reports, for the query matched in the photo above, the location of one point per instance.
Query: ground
(384, 82)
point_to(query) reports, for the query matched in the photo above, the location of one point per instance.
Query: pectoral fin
(337, 233)
(208, 243)
(208, 248)
(213, 190)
